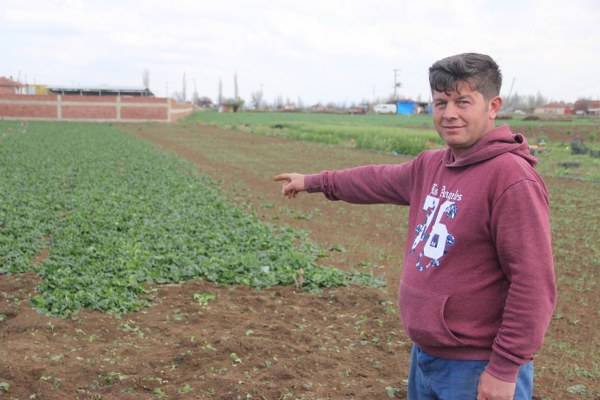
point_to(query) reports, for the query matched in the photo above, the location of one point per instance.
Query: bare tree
(236, 96)
(540, 99)
(195, 95)
(256, 99)
(146, 78)
(278, 103)
(204, 102)
(220, 98)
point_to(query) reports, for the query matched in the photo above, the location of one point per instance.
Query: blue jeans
(433, 378)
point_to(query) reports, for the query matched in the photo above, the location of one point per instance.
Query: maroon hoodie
(478, 274)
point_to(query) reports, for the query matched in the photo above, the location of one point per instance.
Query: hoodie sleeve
(370, 184)
(521, 230)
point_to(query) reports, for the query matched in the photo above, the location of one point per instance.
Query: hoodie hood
(498, 141)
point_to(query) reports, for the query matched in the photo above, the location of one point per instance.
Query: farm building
(8, 86)
(86, 103)
(409, 107)
(554, 108)
(587, 107)
(406, 107)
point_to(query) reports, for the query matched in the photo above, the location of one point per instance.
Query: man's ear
(494, 106)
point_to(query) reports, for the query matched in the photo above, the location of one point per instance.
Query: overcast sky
(318, 51)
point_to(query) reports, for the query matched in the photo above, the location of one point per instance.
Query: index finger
(283, 177)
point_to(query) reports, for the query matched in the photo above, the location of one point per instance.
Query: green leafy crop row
(401, 134)
(115, 214)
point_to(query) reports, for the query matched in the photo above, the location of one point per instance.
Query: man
(478, 287)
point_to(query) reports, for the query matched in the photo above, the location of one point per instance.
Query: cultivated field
(195, 279)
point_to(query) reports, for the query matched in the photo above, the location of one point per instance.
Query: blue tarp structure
(406, 107)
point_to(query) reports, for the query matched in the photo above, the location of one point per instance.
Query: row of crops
(115, 214)
(400, 134)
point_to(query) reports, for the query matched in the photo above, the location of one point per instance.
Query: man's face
(462, 118)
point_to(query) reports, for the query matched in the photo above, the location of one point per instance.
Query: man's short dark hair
(478, 70)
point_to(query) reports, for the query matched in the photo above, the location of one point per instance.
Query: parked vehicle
(385, 109)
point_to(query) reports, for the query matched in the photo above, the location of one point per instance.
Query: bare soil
(277, 343)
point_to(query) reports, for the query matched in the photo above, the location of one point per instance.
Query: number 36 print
(438, 238)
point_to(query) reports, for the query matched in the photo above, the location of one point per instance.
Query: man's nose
(450, 111)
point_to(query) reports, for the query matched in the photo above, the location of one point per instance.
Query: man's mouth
(452, 127)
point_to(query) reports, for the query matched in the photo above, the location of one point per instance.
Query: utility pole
(396, 84)
(220, 98)
(260, 104)
(183, 88)
(195, 95)
(510, 93)
(511, 87)
(235, 88)
(373, 102)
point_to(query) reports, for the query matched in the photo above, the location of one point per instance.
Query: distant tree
(146, 78)
(256, 99)
(220, 98)
(236, 96)
(183, 88)
(540, 100)
(203, 102)
(331, 106)
(278, 103)
(195, 94)
(237, 105)
(531, 102)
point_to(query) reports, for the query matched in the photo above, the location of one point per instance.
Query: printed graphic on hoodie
(434, 239)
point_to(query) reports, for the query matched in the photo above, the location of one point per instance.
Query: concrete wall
(91, 108)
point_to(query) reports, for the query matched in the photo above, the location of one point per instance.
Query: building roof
(100, 90)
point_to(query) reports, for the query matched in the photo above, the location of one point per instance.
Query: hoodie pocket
(422, 315)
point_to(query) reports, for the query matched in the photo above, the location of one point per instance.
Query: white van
(385, 109)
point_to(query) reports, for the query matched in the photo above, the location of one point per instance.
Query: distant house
(362, 109)
(8, 86)
(554, 108)
(228, 108)
(594, 107)
(587, 107)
